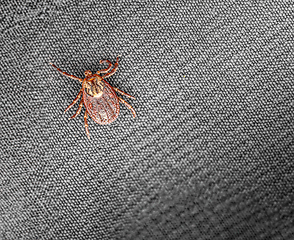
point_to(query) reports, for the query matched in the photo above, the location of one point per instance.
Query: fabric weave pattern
(210, 153)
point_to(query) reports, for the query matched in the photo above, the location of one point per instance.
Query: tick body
(99, 98)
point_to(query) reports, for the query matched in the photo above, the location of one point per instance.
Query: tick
(99, 98)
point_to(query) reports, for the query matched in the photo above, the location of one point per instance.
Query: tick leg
(78, 111)
(123, 93)
(106, 70)
(113, 70)
(128, 106)
(74, 101)
(86, 124)
(66, 74)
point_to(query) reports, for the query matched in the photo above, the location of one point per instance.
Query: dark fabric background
(210, 154)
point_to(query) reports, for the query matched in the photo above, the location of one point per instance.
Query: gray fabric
(210, 154)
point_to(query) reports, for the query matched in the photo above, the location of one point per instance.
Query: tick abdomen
(104, 109)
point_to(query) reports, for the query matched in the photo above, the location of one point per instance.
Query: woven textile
(210, 154)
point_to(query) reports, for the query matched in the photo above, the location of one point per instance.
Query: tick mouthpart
(88, 73)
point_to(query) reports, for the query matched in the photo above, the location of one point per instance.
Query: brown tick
(99, 98)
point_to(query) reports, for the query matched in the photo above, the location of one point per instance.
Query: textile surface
(210, 153)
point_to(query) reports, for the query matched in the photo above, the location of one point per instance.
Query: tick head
(88, 73)
(94, 86)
